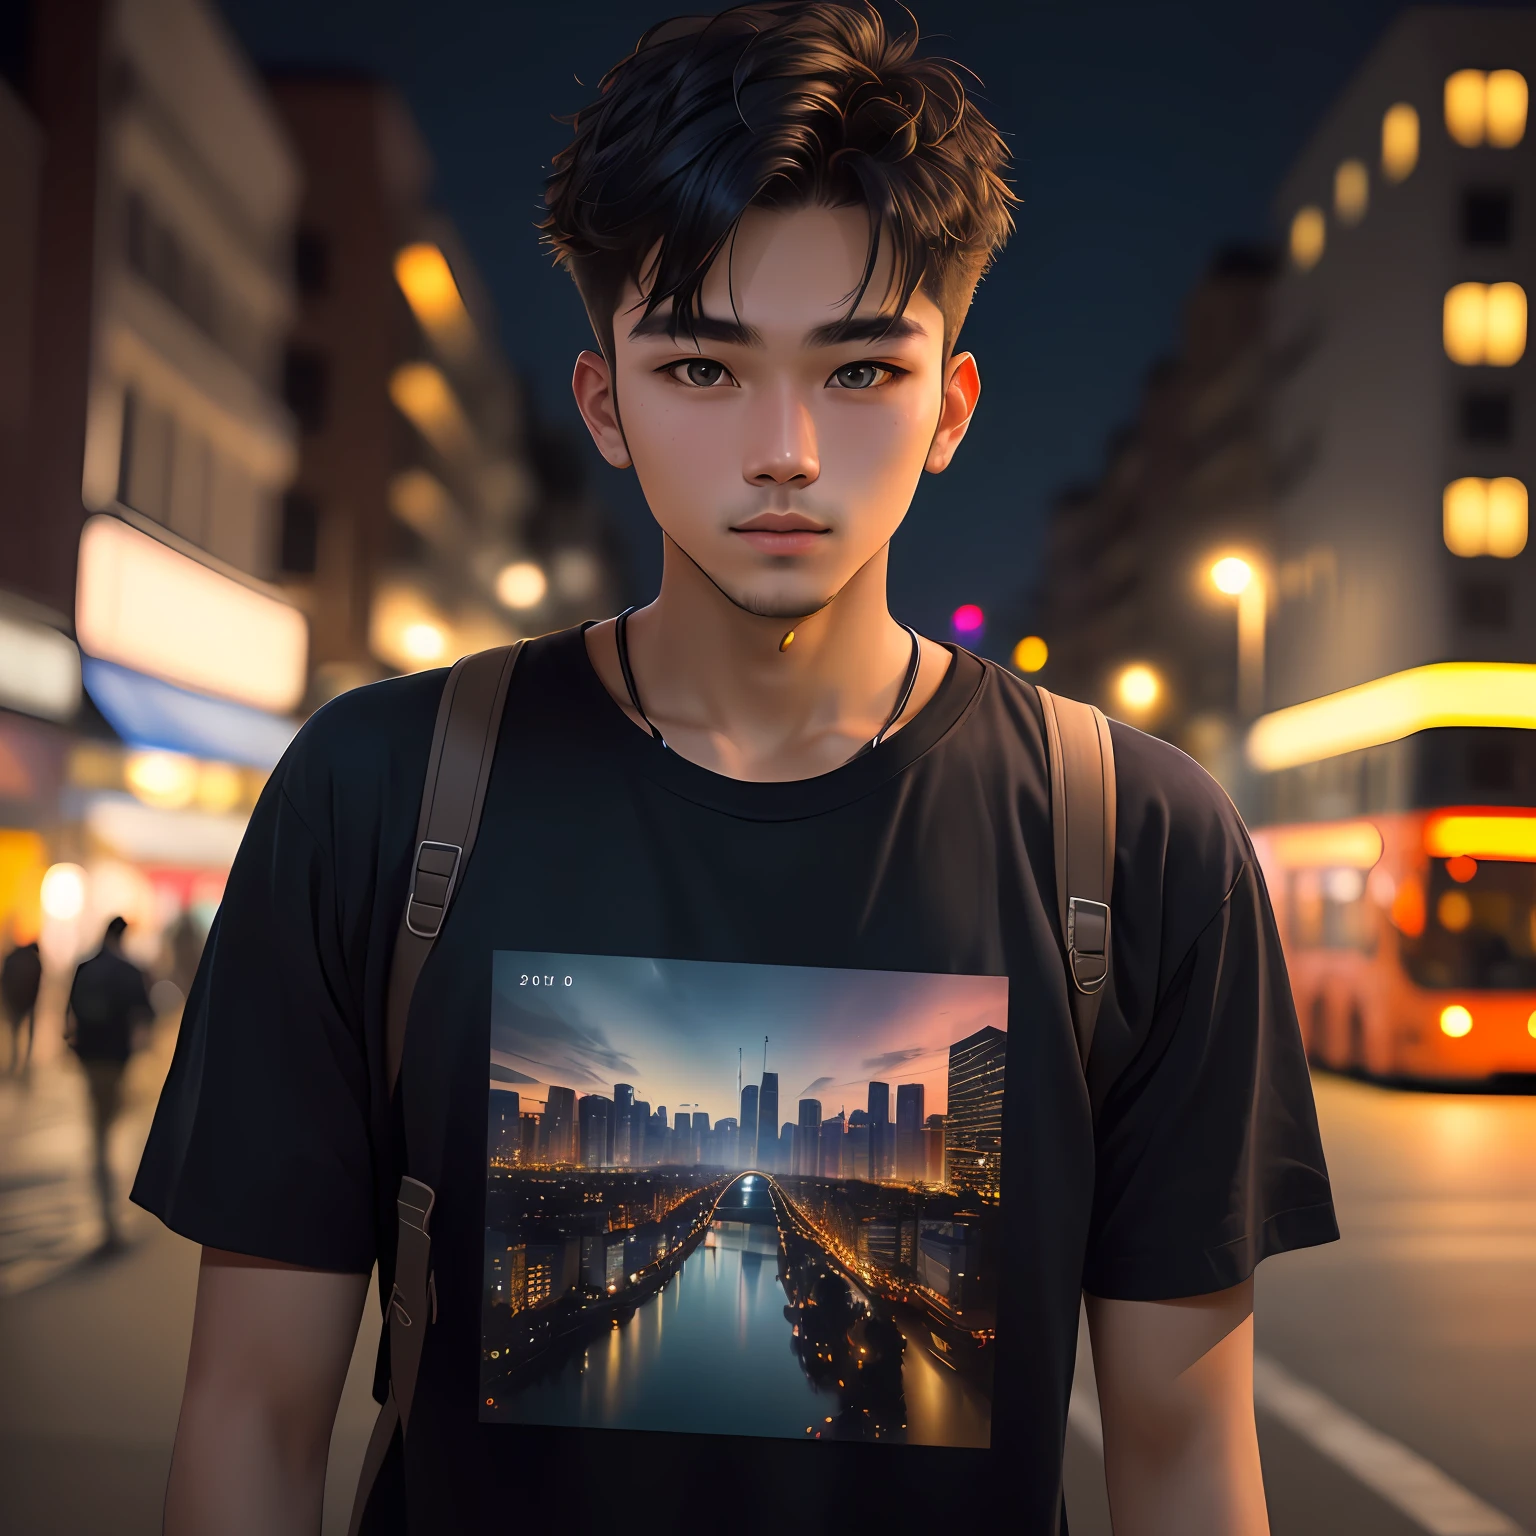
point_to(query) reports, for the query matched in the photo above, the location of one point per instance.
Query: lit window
(1351, 191)
(1485, 323)
(1485, 108)
(1485, 517)
(1506, 324)
(1466, 101)
(1399, 142)
(1308, 235)
(1507, 101)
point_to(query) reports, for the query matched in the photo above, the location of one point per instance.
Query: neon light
(1451, 693)
(1481, 835)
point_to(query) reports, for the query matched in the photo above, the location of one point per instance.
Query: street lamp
(1235, 577)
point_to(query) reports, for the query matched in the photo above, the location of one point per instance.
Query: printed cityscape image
(743, 1199)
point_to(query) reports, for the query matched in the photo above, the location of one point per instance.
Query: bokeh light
(1232, 575)
(968, 619)
(63, 893)
(1030, 654)
(1138, 688)
(1455, 1021)
(521, 584)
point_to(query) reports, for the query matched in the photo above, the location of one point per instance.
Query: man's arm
(1181, 1454)
(270, 1348)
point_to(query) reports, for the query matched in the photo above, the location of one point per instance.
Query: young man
(758, 807)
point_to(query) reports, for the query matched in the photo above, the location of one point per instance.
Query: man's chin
(765, 604)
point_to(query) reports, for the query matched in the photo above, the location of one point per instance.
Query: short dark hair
(776, 104)
(117, 927)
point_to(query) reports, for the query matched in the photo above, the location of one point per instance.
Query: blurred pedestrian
(108, 1007)
(20, 977)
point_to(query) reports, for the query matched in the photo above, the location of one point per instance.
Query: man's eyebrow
(702, 328)
(864, 328)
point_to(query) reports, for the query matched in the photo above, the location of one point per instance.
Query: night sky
(1144, 136)
(672, 1029)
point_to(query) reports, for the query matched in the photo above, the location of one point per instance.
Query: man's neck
(713, 680)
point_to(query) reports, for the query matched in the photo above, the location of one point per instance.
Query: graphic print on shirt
(743, 1199)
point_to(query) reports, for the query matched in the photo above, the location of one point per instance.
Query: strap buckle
(1088, 943)
(432, 881)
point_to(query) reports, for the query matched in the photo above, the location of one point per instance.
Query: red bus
(1411, 939)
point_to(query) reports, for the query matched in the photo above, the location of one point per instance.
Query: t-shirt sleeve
(260, 1143)
(1209, 1157)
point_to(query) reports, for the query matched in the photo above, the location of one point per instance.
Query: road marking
(1432, 1500)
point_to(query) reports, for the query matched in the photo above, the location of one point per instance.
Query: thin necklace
(621, 636)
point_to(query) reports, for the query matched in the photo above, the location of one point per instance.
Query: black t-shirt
(753, 1110)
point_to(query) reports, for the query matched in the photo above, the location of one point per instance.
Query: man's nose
(781, 449)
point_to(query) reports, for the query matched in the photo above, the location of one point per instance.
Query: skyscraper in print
(810, 1270)
(973, 1127)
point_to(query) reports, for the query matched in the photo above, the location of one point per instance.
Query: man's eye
(701, 372)
(861, 375)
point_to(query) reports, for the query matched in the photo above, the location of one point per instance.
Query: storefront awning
(146, 712)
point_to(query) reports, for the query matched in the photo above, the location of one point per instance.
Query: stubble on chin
(777, 605)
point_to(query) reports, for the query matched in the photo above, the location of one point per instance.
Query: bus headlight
(1455, 1021)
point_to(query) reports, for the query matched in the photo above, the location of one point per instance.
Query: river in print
(743, 1199)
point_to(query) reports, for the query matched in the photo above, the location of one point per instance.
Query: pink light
(967, 619)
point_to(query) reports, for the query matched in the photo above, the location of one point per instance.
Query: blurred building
(149, 194)
(1327, 486)
(1126, 598)
(430, 516)
(1403, 417)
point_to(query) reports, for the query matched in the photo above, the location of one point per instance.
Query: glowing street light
(1138, 688)
(1234, 576)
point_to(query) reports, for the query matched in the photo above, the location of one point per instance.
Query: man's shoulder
(1171, 816)
(1175, 823)
(353, 747)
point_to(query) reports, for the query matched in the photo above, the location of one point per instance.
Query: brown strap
(452, 798)
(379, 1442)
(412, 1306)
(458, 770)
(1082, 773)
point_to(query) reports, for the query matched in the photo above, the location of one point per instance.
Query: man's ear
(961, 393)
(592, 384)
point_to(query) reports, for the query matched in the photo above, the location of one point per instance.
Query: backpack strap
(1081, 759)
(452, 798)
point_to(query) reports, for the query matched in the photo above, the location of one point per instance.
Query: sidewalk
(93, 1350)
(48, 1217)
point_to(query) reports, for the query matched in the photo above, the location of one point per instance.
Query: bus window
(1328, 910)
(1480, 927)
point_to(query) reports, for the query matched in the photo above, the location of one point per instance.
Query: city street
(1417, 1330)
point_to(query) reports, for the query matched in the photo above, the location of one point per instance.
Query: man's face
(780, 451)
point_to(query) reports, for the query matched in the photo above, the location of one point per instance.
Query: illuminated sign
(1480, 835)
(1451, 693)
(147, 606)
(39, 669)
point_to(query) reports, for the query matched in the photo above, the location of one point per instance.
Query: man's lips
(780, 533)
